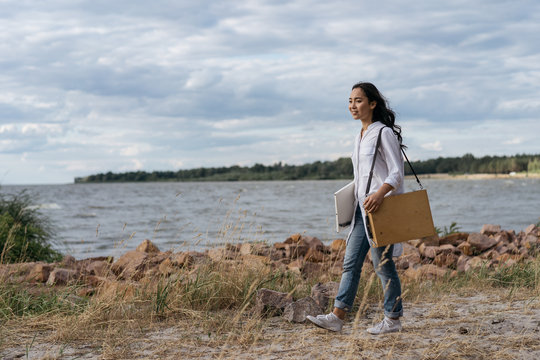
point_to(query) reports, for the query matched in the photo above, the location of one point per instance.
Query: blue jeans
(355, 253)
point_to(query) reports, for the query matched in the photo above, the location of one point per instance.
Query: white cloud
(434, 146)
(514, 141)
(191, 84)
(129, 151)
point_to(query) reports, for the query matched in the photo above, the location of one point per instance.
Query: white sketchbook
(344, 199)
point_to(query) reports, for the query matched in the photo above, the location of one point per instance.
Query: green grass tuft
(25, 234)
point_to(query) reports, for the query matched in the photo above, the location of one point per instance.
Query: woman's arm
(374, 201)
(394, 162)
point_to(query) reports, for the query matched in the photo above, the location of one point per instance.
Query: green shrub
(454, 228)
(25, 234)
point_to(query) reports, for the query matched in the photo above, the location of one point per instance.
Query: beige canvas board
(402, 217)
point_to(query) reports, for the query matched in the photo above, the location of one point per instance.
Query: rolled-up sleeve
(394, 160)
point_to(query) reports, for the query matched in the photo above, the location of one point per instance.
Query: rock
(511, 235)
(532, 230)
(454, 238)
(18, 269)
(262, 249)
(68, 261)
(98, 268)
(489, 229)
(39, 273)
(275, 254)
(338, 245)
(322, 293)
(503, 257)
(530, 241)
(476, 262)
(402, 263)
(246, 248)
(61, 276)
(167, 268)
(462, 263)
(120, 290)
(430, 240)
(428, 271)
(314, 255)
(293, 251)
(409, 249)
(429, 251)
(336, 268)
(255, 261)
(298, 310)
(503, 237)
(131, 265)
(508, 263)
(512, 248)
(431, 271)
(446, 259)
(233, 247)
(466, 248)
(86, 291)
(491, 254)
(408, 259)
(313, 243)
(501, 249)
(95, 281)
(296, 266)
(481, 242)
(219, 254)
(311, 270)
(448, 248)
(421, 249)
(415, 242)
(270, 302)
(411, 273)
(293, 239)
(337, 256)
(147, 247)
(182, 260)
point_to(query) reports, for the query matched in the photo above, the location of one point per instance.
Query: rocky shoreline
(218, 306)
(426, 258)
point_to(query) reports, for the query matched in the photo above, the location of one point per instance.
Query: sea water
(111, 218)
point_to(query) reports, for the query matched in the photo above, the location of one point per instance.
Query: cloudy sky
(96, 86)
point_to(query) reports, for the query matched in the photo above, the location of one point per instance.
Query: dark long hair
(382, 111)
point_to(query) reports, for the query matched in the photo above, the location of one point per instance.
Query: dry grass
(206, 313)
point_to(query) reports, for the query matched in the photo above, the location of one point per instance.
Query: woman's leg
(355, 253)
(386, 270)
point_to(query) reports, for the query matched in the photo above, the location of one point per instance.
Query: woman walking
(368, 105)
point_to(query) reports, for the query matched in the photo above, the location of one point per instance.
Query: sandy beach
(488, 325)
(477, 176)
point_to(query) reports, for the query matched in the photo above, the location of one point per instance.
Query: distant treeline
(339, 169)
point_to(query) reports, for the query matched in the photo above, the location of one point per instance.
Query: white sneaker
(329, 322)
(386, 326)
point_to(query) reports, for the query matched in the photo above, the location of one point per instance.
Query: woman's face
(360, 107)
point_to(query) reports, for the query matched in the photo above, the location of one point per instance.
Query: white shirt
(388, 166)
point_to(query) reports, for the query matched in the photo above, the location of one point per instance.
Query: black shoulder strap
(373, 162)
(414, 172)
(375, 157)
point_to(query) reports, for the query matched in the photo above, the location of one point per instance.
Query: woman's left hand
(373, 202)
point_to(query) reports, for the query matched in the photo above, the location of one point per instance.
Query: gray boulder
(271, 303)
(298, 310)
